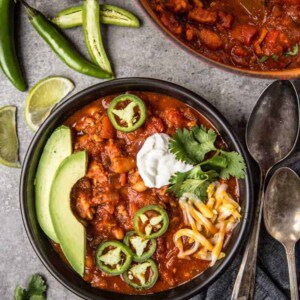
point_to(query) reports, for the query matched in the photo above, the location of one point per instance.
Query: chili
(127, 115)
(109, 14)
(113, 257)
(141, 248)
(136, 275)
(107, 201)
(230, 33)
(92, 34)
(61, 46)
(8, 56)
(148, 225)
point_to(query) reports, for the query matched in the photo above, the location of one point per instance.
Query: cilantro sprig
(36, 290)
(192, 147)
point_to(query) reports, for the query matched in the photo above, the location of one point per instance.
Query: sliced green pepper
(141, 276)
(109, 14)
(61, 46)
(127, 112)
(151, 221)
(9, 62)
(141, 248)
(113, 257)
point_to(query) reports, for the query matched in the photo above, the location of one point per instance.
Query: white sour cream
(156, 164)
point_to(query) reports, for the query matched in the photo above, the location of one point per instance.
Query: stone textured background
(143, 52)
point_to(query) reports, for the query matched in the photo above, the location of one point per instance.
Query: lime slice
(9, 146)
(43, 97)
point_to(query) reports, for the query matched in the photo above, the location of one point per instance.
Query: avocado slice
(58, 147)
(70, 232)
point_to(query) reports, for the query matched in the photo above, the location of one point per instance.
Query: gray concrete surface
(145, 52)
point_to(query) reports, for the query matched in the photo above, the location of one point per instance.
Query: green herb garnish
(275, 57)
(191, 146)
(36, 290)
(195, 181)
(263, 59)
(294, 51)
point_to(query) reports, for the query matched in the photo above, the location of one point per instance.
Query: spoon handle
(245, 282)
(290, 254)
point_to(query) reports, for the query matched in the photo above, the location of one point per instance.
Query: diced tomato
(203, 16)
(226, 20)
(244, 33)
(107, 131)
(275, 43)
(154, 125)
(178, 5)
(210, 39)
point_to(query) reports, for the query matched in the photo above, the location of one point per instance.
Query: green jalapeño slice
(141, 248)
(113, 257)
(141, 276)
(127, 112)
(151, 221)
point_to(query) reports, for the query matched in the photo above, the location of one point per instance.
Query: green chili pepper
(92, 34)
(61, 46)
(109, 14)
(141, 248)
(8, 57)
(113, 257)
(130, 117)
(151, 221)
(141, 276)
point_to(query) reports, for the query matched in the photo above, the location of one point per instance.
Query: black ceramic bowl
(40, 242)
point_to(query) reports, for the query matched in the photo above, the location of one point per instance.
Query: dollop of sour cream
(156, 164)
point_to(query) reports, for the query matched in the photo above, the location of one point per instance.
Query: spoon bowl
(271, 135)
(282, 215)
(273, 126)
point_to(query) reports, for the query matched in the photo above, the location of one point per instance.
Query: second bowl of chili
(229, 36)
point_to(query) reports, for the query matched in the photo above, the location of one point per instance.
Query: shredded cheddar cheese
(207, 223)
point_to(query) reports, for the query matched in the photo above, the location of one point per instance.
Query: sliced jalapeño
(141, 248)
(151, 221)
(127, 112)
(141, 276)
(113, 257)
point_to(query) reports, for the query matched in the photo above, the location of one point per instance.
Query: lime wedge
(43, 97)
(9, 145)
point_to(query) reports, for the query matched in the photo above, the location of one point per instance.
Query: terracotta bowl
(284, 74)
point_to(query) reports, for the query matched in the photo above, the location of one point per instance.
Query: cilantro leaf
(236, 166)
(205, 137)
(20, 293)
(184, 146)
(194, 181)
(196, 187)
(37, 285)
(36, 290)
(176, 182)
(217, 161)
(37, 297)
(191, 146)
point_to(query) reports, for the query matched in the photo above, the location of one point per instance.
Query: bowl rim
(281, 75)
(171, 87)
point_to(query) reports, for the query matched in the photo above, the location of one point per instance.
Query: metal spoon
(282, 216)
(271, 135)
